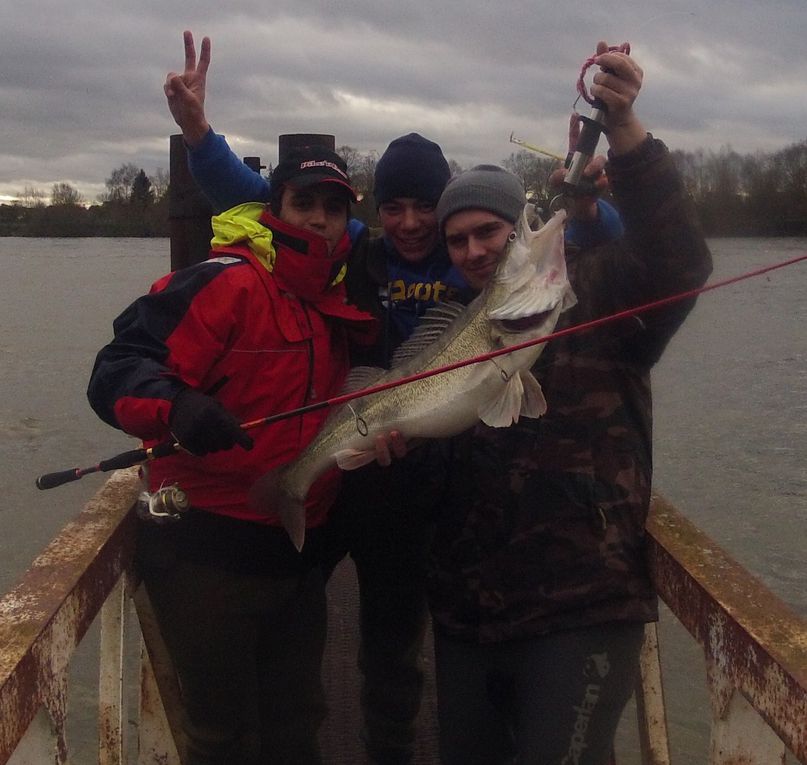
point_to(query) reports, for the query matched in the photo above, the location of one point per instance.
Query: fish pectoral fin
(533, 404)
(503, 410)
(522, 395)
(353, 459)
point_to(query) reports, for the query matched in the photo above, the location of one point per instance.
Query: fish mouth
(526, 322)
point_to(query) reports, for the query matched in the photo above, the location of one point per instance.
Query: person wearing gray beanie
(476, 214)
(484, 187)
(530, 597)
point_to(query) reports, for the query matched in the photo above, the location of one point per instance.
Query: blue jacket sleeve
(225, 180)
(606, 228)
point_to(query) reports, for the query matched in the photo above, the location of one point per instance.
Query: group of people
(524, 544)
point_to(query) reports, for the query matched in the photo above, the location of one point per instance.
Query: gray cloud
(82, 93)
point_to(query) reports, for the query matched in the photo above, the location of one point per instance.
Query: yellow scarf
(240, 224)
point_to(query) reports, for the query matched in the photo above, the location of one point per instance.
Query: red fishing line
(344, 398)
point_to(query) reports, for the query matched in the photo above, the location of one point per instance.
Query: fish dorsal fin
(430, 326)
(360, 378)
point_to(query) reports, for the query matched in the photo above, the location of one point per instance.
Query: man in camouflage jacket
(539, 587)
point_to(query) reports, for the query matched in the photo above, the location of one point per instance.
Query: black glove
(202, 425)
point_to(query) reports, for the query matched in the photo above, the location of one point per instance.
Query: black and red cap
(305, 166)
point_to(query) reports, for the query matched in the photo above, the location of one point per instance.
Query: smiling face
(320, 209)
(476, 241)
(411, 226)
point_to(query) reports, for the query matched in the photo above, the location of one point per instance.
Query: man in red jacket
(261, 327)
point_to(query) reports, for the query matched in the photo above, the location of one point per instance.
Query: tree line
(133, 204)
(761, 194)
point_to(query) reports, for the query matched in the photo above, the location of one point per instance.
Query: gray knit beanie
(484, 187)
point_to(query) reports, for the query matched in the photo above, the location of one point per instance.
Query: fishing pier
(753, 647)
(79, 647)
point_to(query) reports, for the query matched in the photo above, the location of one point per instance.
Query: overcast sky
(81, 83)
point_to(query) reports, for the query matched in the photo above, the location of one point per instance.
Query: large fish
(523, 300)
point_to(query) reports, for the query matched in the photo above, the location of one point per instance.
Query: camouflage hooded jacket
(542, 525)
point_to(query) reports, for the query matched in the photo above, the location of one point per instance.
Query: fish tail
(268, 492)
(292, 516)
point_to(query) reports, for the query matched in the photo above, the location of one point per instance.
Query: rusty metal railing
(84, 573)
(755, 647)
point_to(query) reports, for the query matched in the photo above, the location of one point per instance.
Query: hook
(361, 424)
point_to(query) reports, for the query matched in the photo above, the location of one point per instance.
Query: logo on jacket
(435, 291)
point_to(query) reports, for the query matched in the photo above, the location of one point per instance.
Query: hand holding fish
(388, 447)
(186, 92)
(617, 85)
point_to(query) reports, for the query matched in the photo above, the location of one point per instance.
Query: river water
(730, 425)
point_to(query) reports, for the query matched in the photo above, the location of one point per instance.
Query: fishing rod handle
(52, 480)
(61, 477)
(118, 462)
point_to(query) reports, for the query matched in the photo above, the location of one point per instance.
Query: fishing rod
(537, 149)
(138, 456)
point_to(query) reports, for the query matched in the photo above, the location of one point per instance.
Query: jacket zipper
(311, 390)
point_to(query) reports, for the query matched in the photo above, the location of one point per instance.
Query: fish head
(531, 278)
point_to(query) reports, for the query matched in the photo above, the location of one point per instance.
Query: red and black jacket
(259, 342)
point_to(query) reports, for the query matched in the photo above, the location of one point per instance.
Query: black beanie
(412, 166)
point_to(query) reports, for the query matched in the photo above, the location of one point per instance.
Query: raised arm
(664, 251)
(186, 92)
(225, 180)
(617, 85)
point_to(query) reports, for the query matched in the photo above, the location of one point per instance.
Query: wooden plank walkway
(340, 734)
